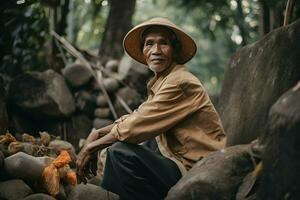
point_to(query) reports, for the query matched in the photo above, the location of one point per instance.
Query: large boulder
(18, 164)
(77, 74)
(14, 190)
(134, 74)
(281, 159)
(255, 78)
(217, 176)
(43, 93)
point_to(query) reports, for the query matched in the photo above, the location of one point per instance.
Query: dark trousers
(135, 172)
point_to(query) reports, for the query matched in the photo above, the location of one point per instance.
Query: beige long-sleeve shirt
(179, 114)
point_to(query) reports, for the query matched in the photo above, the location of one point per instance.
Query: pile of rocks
(71, 103)
(22, 170)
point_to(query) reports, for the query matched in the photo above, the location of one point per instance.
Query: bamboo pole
(288, 12)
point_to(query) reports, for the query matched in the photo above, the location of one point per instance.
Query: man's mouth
(157, 60)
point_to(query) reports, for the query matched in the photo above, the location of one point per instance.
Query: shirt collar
(155, 82)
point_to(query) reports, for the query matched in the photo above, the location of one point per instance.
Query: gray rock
(59, 145)
(215, 177)
(29, 148)
(134, 74)
(18, 164)
(76, 74)
(100, 123)
(101, 101)
(90, 192)
(14, 190)
(130, 96)
(39, 196)
(255, 78)
(112, 65)
(102, 113)
(42, 93)
(111, 85)
(281, 158)
(85, 102)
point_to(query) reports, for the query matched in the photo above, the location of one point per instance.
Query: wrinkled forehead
(158, 30)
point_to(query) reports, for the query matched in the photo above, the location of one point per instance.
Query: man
(178, 114)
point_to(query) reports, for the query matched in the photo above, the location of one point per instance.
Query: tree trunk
(117, 25)
(264, 18)
(58, 23)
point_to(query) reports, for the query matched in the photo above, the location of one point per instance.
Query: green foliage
(25, 27)
(86, 23)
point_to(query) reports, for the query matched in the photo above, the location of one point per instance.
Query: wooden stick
(288, 12)
(124, 104)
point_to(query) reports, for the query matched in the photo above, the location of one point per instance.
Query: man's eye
(148, 43)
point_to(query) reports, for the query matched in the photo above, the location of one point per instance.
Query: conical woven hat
(132, 42)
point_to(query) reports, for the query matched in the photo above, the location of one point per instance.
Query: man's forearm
(96, 134)
(101, 143)
(103, 131)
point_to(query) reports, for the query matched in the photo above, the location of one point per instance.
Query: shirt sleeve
(171, 104)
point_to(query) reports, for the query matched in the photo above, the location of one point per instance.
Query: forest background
(219, 27)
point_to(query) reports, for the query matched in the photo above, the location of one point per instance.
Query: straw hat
(132, 41)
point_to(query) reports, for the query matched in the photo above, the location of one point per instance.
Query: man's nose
(156, 49)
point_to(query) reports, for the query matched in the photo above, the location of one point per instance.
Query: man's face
(157, 49)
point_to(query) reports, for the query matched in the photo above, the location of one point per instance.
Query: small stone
(15, 147)
(77, 74)
(101, 101)
(112, 65)
(59, 145)
(111, 85)
(102, 113)
(100, 123)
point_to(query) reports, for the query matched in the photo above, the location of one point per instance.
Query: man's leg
(136, 173)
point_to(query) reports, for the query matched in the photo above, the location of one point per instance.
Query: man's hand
(86, 163)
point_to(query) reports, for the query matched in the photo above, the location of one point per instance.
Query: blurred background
(219, 28)
(46, 86)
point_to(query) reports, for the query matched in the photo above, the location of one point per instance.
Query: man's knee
(120, 149)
